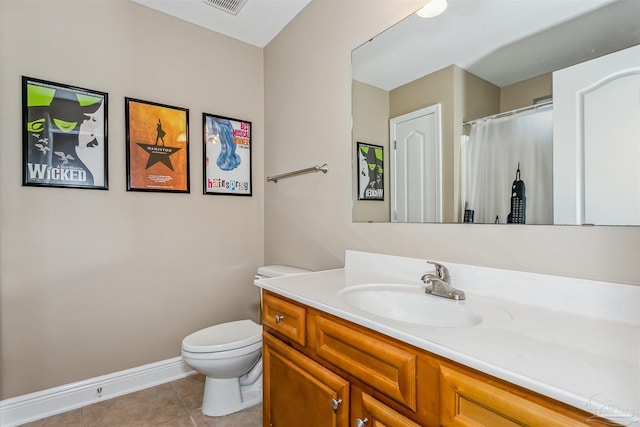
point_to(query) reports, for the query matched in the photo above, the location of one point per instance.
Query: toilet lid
(222, 337)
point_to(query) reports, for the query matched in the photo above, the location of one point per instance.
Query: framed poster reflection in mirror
(370, 171)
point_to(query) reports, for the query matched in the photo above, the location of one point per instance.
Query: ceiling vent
(230, 6)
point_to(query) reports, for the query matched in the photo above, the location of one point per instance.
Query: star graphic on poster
(158, 153)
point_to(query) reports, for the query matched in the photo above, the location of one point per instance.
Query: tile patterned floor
(174, 404)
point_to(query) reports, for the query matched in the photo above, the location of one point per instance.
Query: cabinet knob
(278, 318)
(335, 404)
(361, 423)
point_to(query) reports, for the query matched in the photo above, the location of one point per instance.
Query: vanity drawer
(373, 413)
(470, 400)
(386, 367)
(284, 317)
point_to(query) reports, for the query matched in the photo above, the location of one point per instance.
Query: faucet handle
(441, 271)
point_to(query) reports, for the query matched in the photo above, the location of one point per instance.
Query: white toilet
(230, 356)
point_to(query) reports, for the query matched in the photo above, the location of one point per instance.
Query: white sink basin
(410, 304)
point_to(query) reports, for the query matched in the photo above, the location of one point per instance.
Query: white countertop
(591, 363)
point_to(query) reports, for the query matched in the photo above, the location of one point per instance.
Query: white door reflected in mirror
(596, 172)
(416, 160)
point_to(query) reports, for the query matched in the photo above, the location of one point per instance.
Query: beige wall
(371, 125)
(92, 281)
(434, 88)
(479, 97)
(522, 94)
(308, 120)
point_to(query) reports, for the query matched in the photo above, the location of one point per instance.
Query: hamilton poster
(64, 135)
(157, 147)
(227, 155)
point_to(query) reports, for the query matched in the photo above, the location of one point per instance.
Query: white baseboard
(34, 406)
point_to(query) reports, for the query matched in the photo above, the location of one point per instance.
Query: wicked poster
(157, 147)
(64, 135)
(370, 172)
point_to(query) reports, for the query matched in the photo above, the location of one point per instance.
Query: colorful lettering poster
(227, 155)
(157, 147)
(64, 135)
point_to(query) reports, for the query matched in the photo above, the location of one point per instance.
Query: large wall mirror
(500, 111)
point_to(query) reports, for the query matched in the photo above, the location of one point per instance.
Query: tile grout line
(183, 403)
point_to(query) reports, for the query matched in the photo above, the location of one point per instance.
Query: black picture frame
(370, 167)
(153, 162)
(226, 155)
(64, 136)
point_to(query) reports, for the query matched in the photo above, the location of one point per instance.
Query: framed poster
(370, 172)
(64, 136)
(226, 155)
(157, 147)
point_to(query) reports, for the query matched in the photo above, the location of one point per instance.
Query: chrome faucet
(438, 283)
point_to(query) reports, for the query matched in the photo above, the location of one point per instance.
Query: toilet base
(224, 396)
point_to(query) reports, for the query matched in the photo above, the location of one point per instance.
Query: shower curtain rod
(510, 113)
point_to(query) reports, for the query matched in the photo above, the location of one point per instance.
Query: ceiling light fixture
(432, 9)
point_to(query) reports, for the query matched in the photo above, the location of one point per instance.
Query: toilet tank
(269, 271)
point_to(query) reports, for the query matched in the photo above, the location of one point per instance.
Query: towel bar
(324, 168)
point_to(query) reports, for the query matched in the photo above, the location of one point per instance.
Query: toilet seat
(223, 337)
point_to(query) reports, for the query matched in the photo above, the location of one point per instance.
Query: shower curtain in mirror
(490, 157)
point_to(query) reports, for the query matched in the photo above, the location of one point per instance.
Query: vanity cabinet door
(366, 411)
(299, 391)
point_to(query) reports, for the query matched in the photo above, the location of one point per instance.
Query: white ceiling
(501, 41)
(257, 23)
(481, 36)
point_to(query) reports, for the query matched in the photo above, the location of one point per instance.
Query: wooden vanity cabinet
(336, 373)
